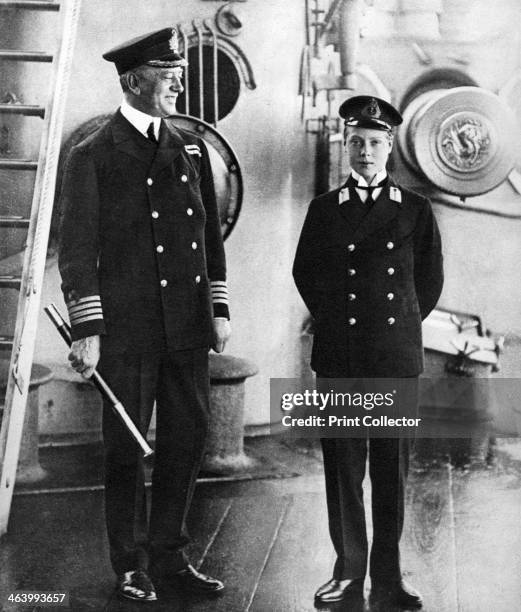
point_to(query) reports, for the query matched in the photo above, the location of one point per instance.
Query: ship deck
(265, 533)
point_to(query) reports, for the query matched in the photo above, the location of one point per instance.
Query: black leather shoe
(136, 585)
(189, 578)
(399, 594)
(336, 590)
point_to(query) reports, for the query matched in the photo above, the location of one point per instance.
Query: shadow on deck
(266, 535)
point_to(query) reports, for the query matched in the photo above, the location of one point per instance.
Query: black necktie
(151, 133)
(370, 200)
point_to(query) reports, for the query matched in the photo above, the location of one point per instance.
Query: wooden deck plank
(301, 558)
(239, 552)
(65, 548)
(487, 506)
(268, 540)
(428, 556)
(204, 523)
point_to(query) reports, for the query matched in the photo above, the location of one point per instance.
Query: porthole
(228, 85)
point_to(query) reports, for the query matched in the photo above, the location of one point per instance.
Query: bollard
(225, 443)
(29, 469)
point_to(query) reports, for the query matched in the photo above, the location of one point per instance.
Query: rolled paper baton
(65, 332)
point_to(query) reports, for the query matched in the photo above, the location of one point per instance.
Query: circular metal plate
(467, 142)
(463, 140)
(225, 167)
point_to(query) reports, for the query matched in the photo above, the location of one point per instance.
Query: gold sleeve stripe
(219, 292)
(85, 309)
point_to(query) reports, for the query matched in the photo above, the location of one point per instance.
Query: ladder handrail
(47, 5)
(34, 266)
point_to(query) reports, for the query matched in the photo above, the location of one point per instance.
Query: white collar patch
(343, 195)
(395, 194)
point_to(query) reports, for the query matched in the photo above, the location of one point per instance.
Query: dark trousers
(344, 466)
(179, 384)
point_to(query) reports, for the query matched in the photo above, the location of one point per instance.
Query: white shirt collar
(140, 120)
(378, 178)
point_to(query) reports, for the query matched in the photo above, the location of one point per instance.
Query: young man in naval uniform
(369, 268)
(144, 278)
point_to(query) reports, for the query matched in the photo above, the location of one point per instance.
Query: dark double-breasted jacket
(369, 285)
(140, 241)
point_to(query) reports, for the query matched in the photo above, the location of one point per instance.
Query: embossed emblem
(372, 109)
(465, 144)
(173, 43)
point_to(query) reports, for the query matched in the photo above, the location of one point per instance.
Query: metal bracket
(17, 377)
(227, 21)
(322, 123)
(10, 98)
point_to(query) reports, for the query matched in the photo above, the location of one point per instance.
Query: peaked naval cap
(158, 48)
(369, 112)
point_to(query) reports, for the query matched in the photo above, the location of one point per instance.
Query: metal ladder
(38, 224)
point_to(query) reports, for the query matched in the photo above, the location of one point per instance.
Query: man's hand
(221, 334)
(84, 355)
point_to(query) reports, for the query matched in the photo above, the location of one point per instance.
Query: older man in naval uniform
(144, 278)
(369, 268)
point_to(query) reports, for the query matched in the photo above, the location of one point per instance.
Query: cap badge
(372, 109)
(173, 43)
